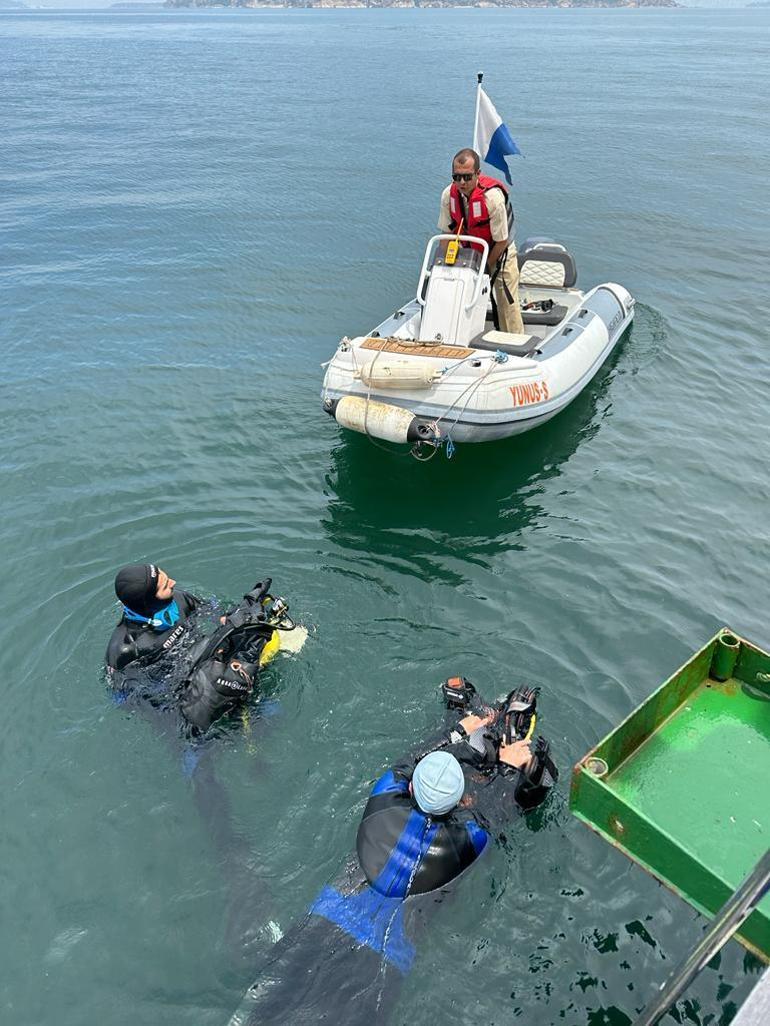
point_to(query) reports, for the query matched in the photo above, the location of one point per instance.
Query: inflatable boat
(437, 372)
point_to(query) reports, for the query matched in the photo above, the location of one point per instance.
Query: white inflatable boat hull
(396, 386)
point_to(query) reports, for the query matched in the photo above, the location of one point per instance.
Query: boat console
(453, 290)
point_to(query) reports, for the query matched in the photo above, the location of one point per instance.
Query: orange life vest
(476, 222)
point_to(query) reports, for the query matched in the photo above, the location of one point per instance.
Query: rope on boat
(469, 391)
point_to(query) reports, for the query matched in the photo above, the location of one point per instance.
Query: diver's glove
(537, 778)
(258, 593)
(457, 692)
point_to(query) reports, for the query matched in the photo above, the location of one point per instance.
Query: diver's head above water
(147, 594)
(438, 783)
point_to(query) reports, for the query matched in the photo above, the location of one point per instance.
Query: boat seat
(546, 264)
(506, 342)
(554, 316)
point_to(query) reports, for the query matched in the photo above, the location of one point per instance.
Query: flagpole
(479, 77)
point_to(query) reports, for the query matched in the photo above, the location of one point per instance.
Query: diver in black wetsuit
(428, 819)
(182, 680)
(154, 616)
(159, 653)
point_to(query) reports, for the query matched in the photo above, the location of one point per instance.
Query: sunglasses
(456, 177)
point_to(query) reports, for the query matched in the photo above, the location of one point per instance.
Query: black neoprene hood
(135, 586)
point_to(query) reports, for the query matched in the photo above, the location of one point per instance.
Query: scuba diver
(159, 652)
(165, 660)
(154, 616)
(427, 821)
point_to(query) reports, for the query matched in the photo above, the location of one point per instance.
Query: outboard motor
(456, 296)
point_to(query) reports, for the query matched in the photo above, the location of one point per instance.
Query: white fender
(382, 420)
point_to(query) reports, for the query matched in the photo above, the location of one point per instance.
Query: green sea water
(194, 208)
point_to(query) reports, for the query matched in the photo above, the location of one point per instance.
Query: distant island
(421, 3)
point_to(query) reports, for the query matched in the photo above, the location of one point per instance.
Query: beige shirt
(498, 220)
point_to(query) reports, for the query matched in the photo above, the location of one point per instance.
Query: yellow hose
(531, 730)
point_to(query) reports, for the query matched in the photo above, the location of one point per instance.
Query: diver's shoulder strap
(238, 618)
(217, 639)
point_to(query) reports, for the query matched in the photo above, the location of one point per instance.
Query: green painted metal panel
(682, 785)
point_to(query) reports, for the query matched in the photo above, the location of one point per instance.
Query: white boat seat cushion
(545, 273)
(547, 265)
(507, 342)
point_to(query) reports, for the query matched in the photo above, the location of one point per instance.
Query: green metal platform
(682, 786)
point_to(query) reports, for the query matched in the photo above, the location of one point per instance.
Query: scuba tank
(225, 666)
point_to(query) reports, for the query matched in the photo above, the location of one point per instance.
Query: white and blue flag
(491, 138)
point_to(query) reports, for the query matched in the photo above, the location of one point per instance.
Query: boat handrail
(472, 239)
(726, 922)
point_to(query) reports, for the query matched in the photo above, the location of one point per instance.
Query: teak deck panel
(394, 345)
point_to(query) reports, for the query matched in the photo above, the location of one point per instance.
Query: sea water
(194, 208)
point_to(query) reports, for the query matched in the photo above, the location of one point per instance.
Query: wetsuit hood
(135, 586)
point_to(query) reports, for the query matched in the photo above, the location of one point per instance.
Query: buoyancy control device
(225, 666)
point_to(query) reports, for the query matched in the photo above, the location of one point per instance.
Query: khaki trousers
(509, 314)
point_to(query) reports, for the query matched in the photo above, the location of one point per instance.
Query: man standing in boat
(481, 204)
